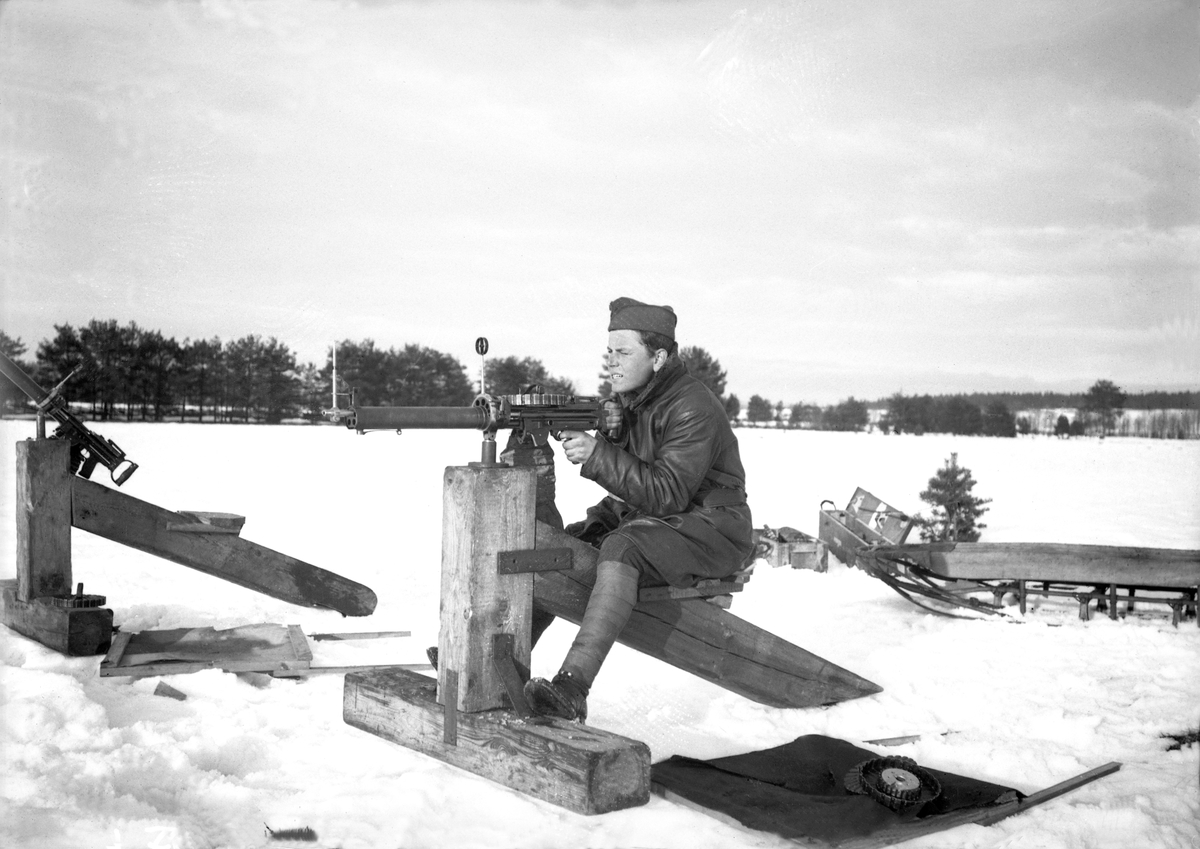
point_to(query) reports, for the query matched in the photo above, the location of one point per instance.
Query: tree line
(1099, 411)
(131, 373)
(1064, 400)
(846, 415)
(128, 372)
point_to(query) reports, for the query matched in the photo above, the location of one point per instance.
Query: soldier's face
(630, 363)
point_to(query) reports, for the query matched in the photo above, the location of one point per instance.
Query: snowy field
(91, 762)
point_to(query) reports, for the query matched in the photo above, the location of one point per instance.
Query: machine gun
(532, 417)
(87, 448)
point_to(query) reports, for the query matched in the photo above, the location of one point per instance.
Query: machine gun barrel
(400, 418)
(23, 381)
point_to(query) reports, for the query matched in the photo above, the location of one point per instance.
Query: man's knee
(617, 547)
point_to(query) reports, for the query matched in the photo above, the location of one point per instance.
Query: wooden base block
(78, 632)
(581, 768)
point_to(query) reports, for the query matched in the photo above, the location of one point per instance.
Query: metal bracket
(533, 560)
(513, 678)
(450, 708)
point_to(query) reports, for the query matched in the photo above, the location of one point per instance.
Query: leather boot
(565, 697)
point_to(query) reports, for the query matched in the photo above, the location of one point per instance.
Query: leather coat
(676, 481)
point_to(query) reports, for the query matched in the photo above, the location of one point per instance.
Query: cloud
(826, 185)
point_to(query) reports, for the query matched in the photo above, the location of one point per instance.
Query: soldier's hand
(577, 446)
(612, 421)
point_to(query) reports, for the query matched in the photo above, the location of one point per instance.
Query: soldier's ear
(660, 358)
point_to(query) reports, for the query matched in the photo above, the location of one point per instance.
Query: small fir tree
(955, 509)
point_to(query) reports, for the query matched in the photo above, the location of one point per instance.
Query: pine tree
(955, 509)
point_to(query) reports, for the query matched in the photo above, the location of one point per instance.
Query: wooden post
(464, 721)
(486, 510)
(43, 518)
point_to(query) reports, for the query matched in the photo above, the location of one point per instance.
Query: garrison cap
(628, 314)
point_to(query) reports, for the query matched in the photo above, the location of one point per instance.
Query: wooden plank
(299, 644)
(117, 649)
(275, 669)
(1052, 792)
(341, 670)
(702, 590)
(485, 510)
(579, 767)
(894, 741)
(78, 632)
(122, 518)
(43, 517)
(187, 667)
(912, 829)
(360, 635)
(1057, 562)
(703, 639)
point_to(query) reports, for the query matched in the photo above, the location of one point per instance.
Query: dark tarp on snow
(797, 790)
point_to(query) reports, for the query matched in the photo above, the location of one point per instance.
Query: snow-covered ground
(91, 762)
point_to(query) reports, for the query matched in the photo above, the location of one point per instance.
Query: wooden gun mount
(209, 542)
(702, 639)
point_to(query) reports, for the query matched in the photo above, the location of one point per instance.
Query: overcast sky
(839, 197)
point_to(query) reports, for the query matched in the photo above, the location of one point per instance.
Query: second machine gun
(88, 448)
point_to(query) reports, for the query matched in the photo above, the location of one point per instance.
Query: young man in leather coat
(676, 512)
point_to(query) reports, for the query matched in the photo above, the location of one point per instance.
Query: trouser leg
(609, 606)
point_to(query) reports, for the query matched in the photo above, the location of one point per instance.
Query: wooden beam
(43, 518)
(485, 510)
(122, 518)
(704, 589)
(703, 639)
(581, 768)
(1056, 562)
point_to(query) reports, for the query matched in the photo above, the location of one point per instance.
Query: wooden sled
(1104, 574)
(870, 534)
(702, 638)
